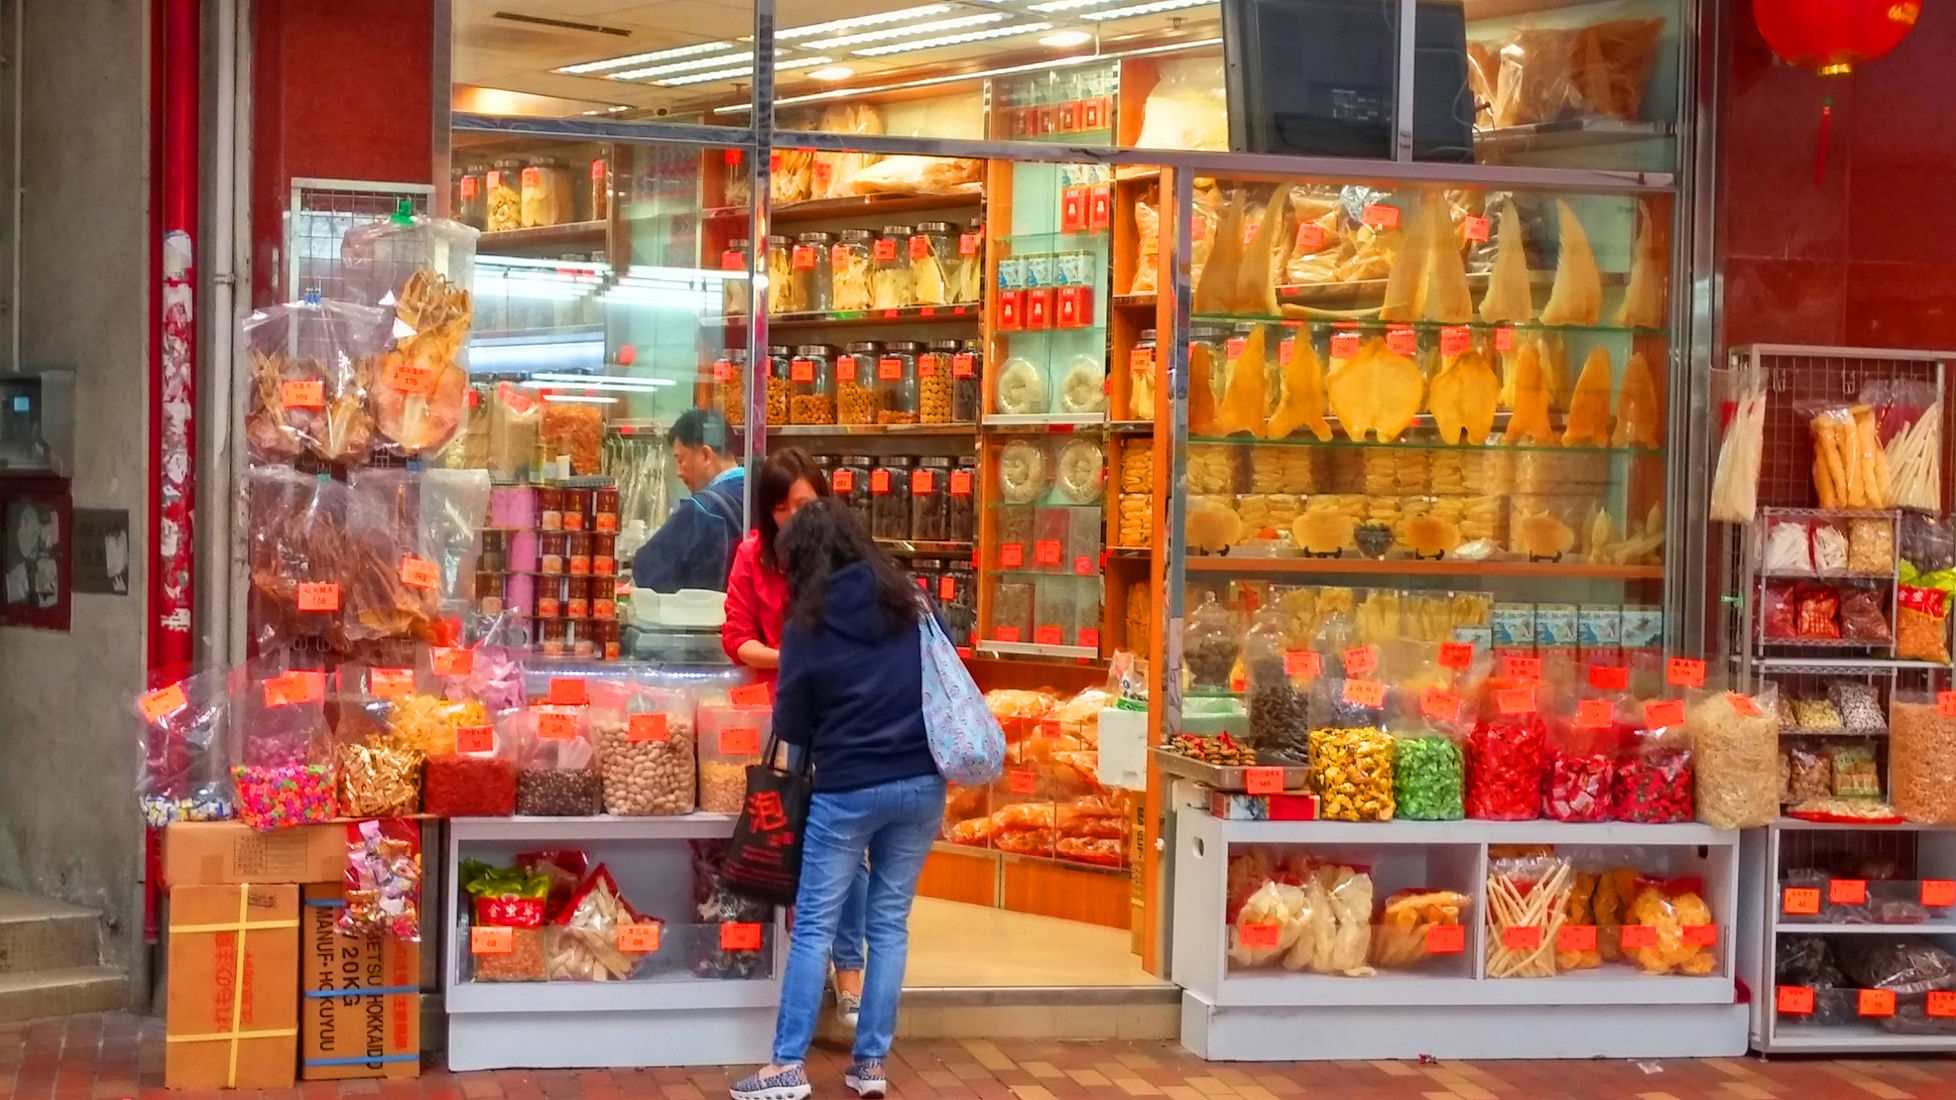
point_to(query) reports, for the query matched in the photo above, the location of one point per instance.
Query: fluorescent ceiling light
(1152, 8)
(743, 70)
(900, 32)
(580, 398)
(956, 39)
(833, 72)
(875, 19)
(1066, 5)
(1066, 38)
(719, 62)
(641, 58)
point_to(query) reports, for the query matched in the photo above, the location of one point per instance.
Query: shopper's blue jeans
(894, 824)
(848, 951)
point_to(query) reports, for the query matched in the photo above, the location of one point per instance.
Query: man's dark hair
(703, 428)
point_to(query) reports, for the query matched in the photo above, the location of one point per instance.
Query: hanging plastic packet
(1653, 780)
(587, 941)
(182, 750)
(297, 553)
(1507, 756)
(391, 590)
(312, 364)
(282, 755)
(383, 880)
(1735, 749)
(421, 269)
(453, 507)
(379, 765)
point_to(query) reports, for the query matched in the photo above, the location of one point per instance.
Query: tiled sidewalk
(120, 1056)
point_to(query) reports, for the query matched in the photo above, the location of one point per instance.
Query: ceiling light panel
(875, 19)
(740, 71)
(719, 62)
(1154, 8)
(889, 33)
(1066, 5)
(697, 50)
(957, 39)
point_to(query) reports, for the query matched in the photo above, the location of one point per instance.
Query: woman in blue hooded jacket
(851, 695)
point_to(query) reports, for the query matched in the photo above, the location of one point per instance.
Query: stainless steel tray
(1296, 776)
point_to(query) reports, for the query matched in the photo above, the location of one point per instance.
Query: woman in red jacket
(757, 604)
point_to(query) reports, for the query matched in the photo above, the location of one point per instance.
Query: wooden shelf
(571, 234)
(970, 314)
(836, 431)
(858, 206)
(1233, 566)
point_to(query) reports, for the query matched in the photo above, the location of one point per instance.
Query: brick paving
(119, 1056)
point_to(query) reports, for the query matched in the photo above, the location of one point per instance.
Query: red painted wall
(1868, 256)
(341, 91)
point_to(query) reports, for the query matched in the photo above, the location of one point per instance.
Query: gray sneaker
(789, 1084)
(867, 1079)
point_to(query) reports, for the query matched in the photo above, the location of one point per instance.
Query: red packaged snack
(1506, 759)
(1815, 613)
(1653, 780)
(1777, 615)
(1582, 763)
(1863, 618)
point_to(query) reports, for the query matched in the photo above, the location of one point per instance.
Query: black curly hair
(825, 537)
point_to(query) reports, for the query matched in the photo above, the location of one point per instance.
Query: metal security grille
(320, 213)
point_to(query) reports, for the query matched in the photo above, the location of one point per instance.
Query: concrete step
(38, 994)
(38, 934)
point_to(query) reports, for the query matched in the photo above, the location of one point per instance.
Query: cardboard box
(361, 1010)
(232, 1018)
(211, 853)
(1231, 806)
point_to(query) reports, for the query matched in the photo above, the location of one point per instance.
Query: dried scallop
(1084, 389)
(1022, 472)
(1022, 388)
(1081, 471)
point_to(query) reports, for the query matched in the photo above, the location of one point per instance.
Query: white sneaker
(848, 1008)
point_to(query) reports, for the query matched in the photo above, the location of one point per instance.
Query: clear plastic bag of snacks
(1735, 749)
(645, 748)
(182, 750)
(421, 269)
(1507, 754)
(1654, 776)
(557, 768)
(312, 364)
(282, 762)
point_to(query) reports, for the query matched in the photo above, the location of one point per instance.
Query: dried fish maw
(1589, 406)
(1430, 536)
(1577, 296)
(1447, 299)
(1302, 402)
(1215, 291)
(1463, 400)
(1643, 299)
(1401, 390)
(1508, 299)
(1242, 402)
(1639, 417)
(1256, 277)
(1529, 422)
(1323, 534)
(1543, 537)
(1202, 393)
(1349, 392)
(1405, 293)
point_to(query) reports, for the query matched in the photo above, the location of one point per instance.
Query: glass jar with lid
(933, 260)
(957, 594)
(777, 384)
(730, 386)
(1209, 646)
(967, 367)
(968, 273)
(889, 498)
(502, 187)
(472, 196)
(811, 385)
(849, 483)
(857, 398)
(935, 383)
(1141, 377)
(930, 500)
(546, 193)
(781, 288)
(811, 274)
(890, 285)
(597, 205)
(733, 288)
(849, 268)
(961, 514)
(925, 572)
(1279, 686)
(896, 382)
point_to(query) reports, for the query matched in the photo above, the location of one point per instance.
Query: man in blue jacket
(695, 547)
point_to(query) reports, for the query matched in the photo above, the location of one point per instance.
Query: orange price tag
(1504, 338)
(1303, 662)
(1365, 693)
(1743, 705)
(1938, 892)
(319, 596)
(1443, 706)
(1454, 340)
(1874, 1002)
(1847, 891)
(1639, 935)
(801, 371)
(920, 482)
(1401, 340)
(1521, 668)
(452, 661)
(1576, 937)
(492, 941)
(1263, 780)
(1256, 935)
(1475, 227)
(1941, 1004)
(1595, 714)
(163, 702)
(1684, 672)
(392, 683)
(1023, 781)
(843, 481)
(475, 739)
(1310, 237)
(1609, 677)
(1519, 700)
(740, 937)
(749, 695)
(740, 741)
(302, 394)
(1361, 660)
(638, 938)
(845, 369)
(1046, 552)
(1456, 655)
(1344, 345)
(1446, 939)
(1794, 1000)
(1380, 216)
(1946, 704)
(879, 482)
(295, 687)
(411, 378)
(1700, 935)
(1664, 712)
(1800, 901)
(419, 573)
(646, 727)
(568, 691)
(552, 726)
(1521, 937)
(961, 483)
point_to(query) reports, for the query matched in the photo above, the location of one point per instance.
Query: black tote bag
(764, 856)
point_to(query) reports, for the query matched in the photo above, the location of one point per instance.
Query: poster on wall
(36, 548)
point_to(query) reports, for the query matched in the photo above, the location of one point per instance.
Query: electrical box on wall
(37, 422)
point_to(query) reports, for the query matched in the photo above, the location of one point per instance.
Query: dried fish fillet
(1508, 299)
(1406, 285)
(1463, 397)
(1215, 291)
(1643, 299)
(1529, 422)
(1446, 298)
(1589, 406)
(1577, 296)
(1241, 410)
(1302, 402)
(1639, 418)
(1256, 277)
(1202, 393)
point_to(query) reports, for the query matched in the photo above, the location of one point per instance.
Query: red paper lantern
(1831, 36)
